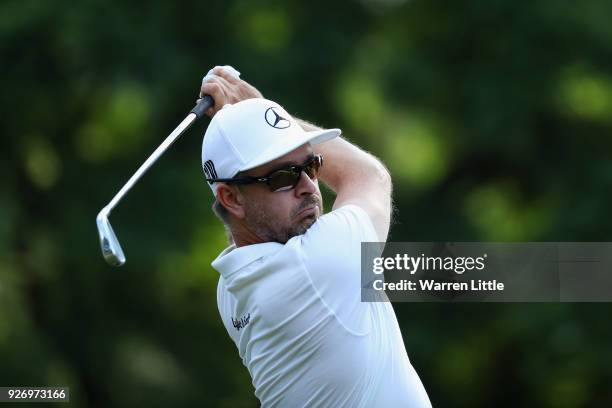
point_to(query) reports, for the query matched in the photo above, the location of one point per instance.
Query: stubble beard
(269, 229)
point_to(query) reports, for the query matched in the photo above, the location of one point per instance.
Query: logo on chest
(240, 323)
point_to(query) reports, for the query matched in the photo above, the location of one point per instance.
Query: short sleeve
(331, 251)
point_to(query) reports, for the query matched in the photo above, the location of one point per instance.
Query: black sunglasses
(281, 179)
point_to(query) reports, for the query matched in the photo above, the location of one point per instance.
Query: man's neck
(242, 236)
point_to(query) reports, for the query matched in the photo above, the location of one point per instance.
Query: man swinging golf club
(289, 286)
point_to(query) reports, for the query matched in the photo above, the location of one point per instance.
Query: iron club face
(111, 249)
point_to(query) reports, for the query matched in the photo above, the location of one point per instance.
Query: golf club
(111, 249)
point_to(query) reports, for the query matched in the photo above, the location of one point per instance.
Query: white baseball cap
(250, 133)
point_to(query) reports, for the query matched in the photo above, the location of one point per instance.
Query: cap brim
(282, 148)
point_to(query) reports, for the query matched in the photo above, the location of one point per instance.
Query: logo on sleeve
(240, 323)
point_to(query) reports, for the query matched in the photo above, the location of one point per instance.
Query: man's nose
(305, 185)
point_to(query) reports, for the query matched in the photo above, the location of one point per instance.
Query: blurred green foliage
(493, 116)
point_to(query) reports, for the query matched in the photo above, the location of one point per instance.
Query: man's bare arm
(357, 177)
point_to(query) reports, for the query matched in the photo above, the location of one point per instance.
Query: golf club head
(111, 250)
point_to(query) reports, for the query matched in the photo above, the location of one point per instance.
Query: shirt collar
(233, 259)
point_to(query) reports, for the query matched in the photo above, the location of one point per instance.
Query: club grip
(202, 106)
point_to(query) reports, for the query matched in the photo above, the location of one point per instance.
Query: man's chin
(303, 226)
(309, 221)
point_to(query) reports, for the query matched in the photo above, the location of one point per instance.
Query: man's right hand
(225, 88)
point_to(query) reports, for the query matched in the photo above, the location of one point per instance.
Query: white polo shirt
(296, 316)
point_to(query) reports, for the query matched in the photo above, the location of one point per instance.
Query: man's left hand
(224, 88)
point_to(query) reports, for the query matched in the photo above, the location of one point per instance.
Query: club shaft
(197, 112)
(178, 131)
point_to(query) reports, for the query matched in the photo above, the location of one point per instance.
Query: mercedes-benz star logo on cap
(275, 120)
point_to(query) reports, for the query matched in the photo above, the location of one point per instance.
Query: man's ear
(231, 198)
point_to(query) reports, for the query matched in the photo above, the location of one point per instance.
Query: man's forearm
(346, 164)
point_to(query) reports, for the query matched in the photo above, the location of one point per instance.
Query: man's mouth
(309, 209)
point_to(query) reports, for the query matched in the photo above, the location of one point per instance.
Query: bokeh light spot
(42, 163)
(416, 152)
(498, 213)
(117, 124)
(360, 101)
(267, 30)
(586, 95)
